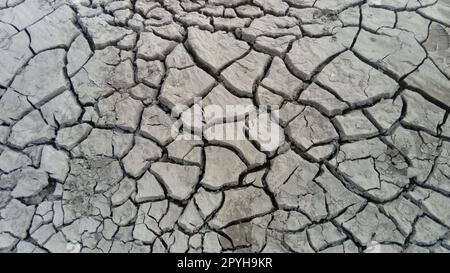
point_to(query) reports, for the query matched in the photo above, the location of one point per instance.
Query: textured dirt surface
(354, 155)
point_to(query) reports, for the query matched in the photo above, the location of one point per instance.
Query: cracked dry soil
(88, 162)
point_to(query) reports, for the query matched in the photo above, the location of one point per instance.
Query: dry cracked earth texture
(89, 162)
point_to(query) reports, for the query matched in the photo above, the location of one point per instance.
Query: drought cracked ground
(359, 94)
